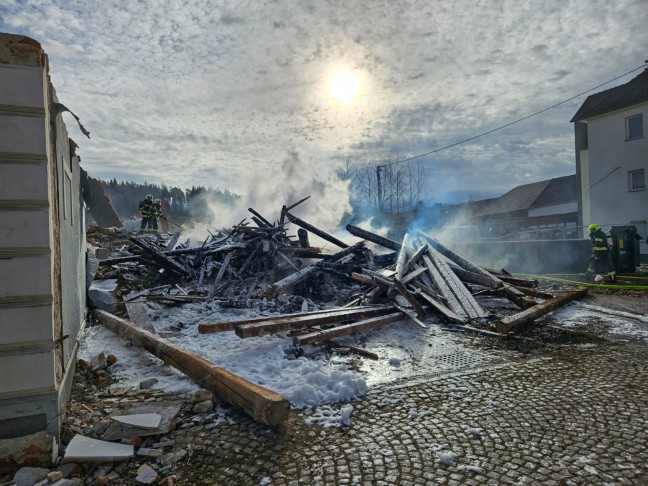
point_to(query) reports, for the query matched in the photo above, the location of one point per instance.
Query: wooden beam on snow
(266, 406)
(517, 321)
(348, 329)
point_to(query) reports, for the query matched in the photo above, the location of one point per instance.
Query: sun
(344, 87)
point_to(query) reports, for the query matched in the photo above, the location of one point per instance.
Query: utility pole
(380, 196)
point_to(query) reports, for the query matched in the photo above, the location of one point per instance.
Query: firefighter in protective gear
(600, 261)
(147, 208)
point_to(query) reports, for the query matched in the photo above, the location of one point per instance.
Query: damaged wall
(42, 252)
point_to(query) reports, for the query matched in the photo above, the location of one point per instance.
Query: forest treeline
(181, 203)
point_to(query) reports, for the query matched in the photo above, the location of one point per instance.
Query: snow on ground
(616, 322)
(405, 351)
(404, 348)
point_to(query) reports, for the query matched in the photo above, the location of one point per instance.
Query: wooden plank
(353, 349)
(401, 259)
(300, 321)
(517, 321)
(266, 406)
(210, 327)
(442, 309)
(511, 293)
(465, 298)
(410, 298)
(348, 329)
(444, 289)
(412, 275)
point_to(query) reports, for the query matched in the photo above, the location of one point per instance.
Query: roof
(632, 93)
(522, 198)
(559, 191)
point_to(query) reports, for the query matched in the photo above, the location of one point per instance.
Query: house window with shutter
(634, 127)
(637, 180)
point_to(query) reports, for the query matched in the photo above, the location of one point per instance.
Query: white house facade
(611, 134)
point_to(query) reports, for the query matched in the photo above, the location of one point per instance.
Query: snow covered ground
(405, 351)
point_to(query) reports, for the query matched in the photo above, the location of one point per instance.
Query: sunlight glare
(344, 87)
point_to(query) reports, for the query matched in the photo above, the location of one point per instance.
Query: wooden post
(309, 227)
(266, 406)
(517, 321)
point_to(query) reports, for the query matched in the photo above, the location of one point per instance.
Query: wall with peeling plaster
(42, 254)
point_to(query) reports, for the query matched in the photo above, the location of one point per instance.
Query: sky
(236, 94)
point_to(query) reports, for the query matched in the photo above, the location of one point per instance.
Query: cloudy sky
(235, 94)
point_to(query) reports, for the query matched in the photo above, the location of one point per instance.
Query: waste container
(625, 248)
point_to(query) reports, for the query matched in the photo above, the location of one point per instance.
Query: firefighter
(147, 208)
(600, 261)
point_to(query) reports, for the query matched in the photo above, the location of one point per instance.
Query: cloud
(234, 95)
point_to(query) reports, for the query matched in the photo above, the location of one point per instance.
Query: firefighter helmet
(157, 200)
(593, 227)
(149, 197)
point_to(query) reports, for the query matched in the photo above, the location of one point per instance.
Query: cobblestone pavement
(574, 414)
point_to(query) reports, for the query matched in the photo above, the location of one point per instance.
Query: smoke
(268, 190)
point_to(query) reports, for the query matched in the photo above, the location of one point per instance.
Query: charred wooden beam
(266, 406)
(401, 259)
(465, 298)
(353, 349)
(516, 321)
(410, 298)
(159, 257)
(374, 238)
(454, 305)
(511, 293)
(313, 229)
(301, 321)
(348, 329)
(117, 260)
(264, 222)
(440, 308)
(288, 208)
(210, 327)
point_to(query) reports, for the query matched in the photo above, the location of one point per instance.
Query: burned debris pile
(368, 284)
(319, 294)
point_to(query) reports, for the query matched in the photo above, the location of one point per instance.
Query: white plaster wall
(611, 157)
(24, 228)
(27, 275)
(26, 372)
(22, 134)
(25, 324)
(23, 180)
(21, 86)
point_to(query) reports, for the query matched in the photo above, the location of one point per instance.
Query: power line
(513, 122)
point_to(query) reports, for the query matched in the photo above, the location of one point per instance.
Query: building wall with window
(613, 169)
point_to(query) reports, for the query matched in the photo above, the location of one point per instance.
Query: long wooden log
(266, 406)
(374, 238)
(313, 229)
(355, 328)
(264, 222)
(300, 321)
(516, 321)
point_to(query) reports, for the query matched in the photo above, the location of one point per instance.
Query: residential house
(42, 256)
(612, 157)
(535, 211)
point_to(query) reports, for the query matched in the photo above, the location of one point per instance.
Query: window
(637, 180)
(634, 127)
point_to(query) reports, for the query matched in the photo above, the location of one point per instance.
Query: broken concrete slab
(86, 449)
(168, 410)
(28, 476)
(141, 420)
(100, 294)
(146, 475)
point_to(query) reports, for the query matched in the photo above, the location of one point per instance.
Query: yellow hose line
(583, 284)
